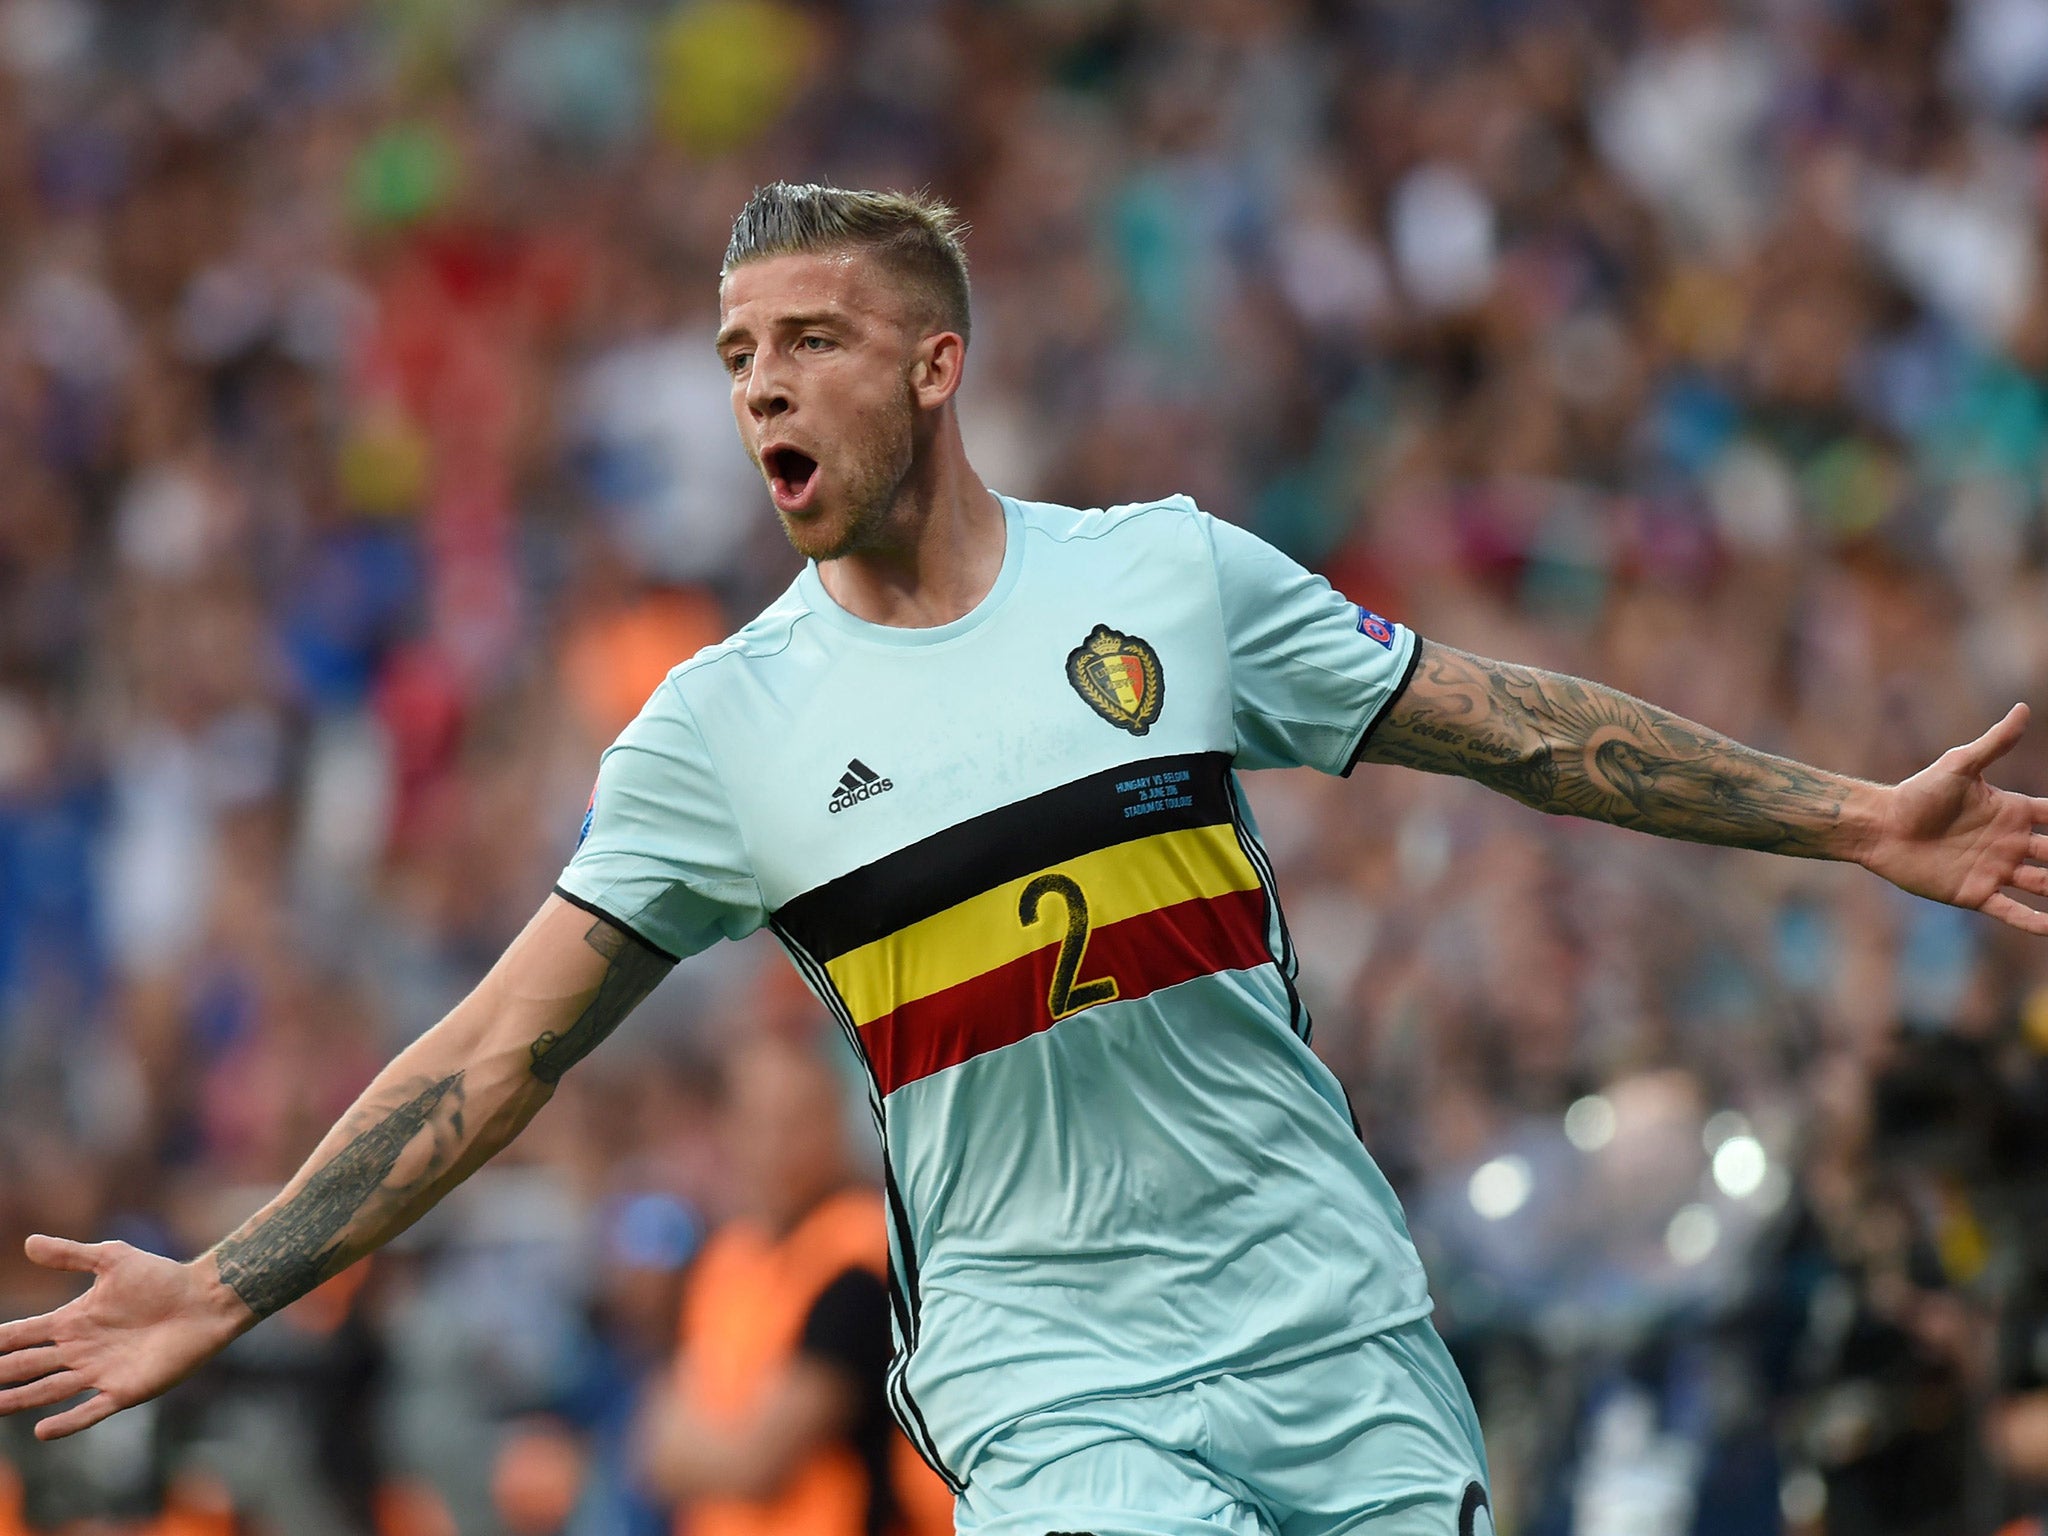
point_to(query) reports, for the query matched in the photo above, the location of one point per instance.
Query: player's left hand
(1946, 834)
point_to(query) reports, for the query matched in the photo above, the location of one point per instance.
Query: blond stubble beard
(875, 478)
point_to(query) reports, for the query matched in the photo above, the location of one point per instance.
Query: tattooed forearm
(451, 1101)
(1574, 748)
(634, 970)
(279, 1256)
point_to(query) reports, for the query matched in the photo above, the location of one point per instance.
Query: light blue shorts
(1377, 1438)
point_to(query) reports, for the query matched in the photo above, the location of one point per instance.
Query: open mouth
(792, 475)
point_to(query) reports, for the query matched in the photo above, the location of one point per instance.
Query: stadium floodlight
(1740, 1164)
(1589, 1123)
(1694, 1233)
(1501, 1187)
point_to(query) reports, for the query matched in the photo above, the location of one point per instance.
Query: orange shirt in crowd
(745, 1308)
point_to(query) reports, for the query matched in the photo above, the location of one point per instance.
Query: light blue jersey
(1011, 855)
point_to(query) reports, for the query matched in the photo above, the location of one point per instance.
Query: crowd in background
(364, 463)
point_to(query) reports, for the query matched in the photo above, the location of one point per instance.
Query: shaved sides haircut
(915, 236)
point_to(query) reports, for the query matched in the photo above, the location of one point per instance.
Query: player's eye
(737, 361)
(815, 343)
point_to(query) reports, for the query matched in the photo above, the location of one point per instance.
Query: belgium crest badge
(1119, 676)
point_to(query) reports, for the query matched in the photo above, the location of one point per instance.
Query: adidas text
(858, 783)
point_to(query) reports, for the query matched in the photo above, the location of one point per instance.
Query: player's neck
(943, 553)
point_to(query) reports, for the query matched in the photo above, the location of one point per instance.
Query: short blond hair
(914, 235)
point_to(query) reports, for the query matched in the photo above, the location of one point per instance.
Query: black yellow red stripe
(1108, 888)
(986, 931)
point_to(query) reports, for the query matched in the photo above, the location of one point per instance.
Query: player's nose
(767, 392)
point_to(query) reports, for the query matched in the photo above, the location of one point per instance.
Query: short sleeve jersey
(1012, 857)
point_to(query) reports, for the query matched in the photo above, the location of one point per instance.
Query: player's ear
(936, 370)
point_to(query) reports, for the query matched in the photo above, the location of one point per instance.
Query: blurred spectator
(779, 1419)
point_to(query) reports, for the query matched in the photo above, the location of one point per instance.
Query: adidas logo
(858, 783)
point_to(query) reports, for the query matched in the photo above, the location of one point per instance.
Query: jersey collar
(822, 603)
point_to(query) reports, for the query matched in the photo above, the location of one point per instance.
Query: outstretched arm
(438, 1112)
(1574, 748)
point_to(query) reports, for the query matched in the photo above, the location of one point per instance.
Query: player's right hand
(144, 1325)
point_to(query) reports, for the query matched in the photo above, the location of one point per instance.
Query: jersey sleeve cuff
(617, 922)
(1373, 724)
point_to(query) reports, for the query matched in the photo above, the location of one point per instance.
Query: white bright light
(1740, 1166)
(1692, 1234)
(1589, 1123)
(1501, 1187)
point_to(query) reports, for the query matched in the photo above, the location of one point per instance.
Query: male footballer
(977, 769)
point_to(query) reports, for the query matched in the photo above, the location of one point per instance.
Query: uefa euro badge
(1119, 676)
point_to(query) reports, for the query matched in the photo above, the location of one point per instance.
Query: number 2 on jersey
(1066, 995)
